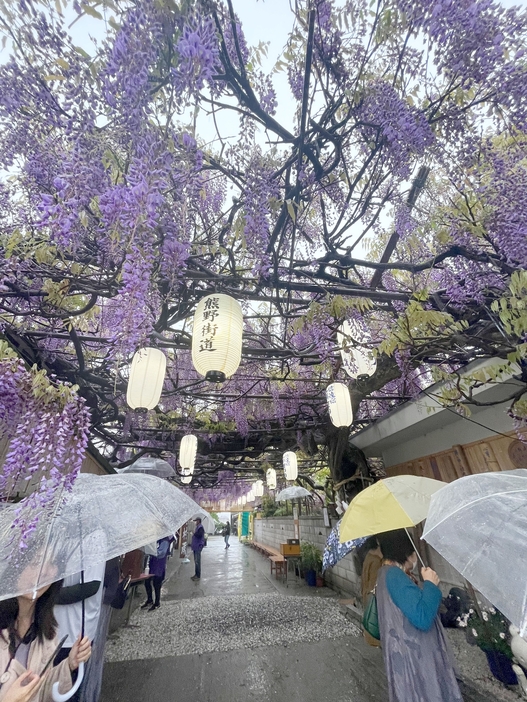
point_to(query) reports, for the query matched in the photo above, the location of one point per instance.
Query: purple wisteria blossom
(46, 429)
(403, 131)
(259, 189)
(198, 53)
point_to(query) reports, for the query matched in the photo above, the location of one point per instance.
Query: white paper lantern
(147, 375)
(250, 496)
(186, 479)
(259, 488)
(187, 453)
(358, 362)
(290, 465)
(244, 500)
(339, 405)
(270, 478)
(217, 337)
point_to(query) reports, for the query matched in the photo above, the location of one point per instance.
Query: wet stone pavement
(240, 635)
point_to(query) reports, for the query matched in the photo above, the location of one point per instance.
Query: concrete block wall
(342, 577)
(274, 531)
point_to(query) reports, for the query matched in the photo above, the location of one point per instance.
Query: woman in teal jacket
(416, 654)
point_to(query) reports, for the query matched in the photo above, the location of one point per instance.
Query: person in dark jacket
(416, 653)
(197, 545)
(226, 534)
(157, 568)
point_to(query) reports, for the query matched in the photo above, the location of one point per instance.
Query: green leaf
(89, 10)
(291, 209)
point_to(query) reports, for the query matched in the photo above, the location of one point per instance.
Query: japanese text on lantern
(207, 323)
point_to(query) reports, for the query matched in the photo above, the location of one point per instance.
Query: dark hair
(44, 623)
(371, 544)
(396, 546)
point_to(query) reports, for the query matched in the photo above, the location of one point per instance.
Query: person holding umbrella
(28, 645)
(416, 654)
(197, 545)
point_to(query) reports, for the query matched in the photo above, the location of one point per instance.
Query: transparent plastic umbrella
(479, 525)
(208, 522)
(292, 493)
(103, 517)
(150, 465)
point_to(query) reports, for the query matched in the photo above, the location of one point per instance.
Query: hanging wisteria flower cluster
(44, 427)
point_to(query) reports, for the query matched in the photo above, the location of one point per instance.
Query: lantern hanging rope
(217, 337)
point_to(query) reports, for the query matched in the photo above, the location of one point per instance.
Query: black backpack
(454, 606)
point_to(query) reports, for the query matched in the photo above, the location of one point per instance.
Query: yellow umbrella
(392, 503)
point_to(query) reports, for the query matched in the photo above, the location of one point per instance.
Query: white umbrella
(103, 517)
(292, 493)
(207, 521)
(151, 465)
(479, 524)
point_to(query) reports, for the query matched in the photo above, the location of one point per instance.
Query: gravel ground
(211, 624)
(473, 667)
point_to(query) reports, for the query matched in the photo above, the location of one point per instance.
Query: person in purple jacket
(198, 542)
(157, 567)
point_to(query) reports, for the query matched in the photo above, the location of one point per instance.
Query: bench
(279, 565)
(278, 562)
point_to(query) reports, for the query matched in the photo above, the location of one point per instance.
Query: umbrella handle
(58, 697)
(415, 549)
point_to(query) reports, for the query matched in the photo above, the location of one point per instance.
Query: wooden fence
(501, 452)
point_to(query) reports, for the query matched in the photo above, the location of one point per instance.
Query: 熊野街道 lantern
(217, 337)
(187, 453)
(259, 488)
(358, 363)
(339, 405)
(147, 375)
(270, 479)
(290, 465)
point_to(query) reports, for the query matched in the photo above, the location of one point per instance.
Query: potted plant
(311, 559)
(489, 629)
